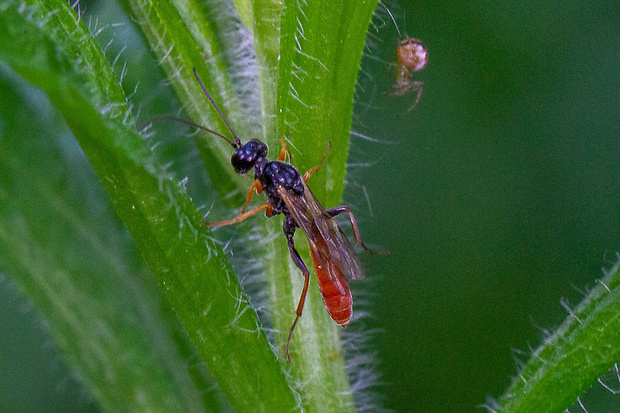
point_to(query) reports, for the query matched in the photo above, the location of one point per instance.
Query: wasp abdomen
(339, 305)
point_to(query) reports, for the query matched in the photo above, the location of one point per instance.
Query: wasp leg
(284, 151)
(332, 212)
(259, 190)
(240, 217)
(310, 171)
(289, 231)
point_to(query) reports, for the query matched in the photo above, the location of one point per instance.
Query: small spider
(412, 57)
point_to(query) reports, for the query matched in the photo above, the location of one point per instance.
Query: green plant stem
(61, 245)
(585, 346)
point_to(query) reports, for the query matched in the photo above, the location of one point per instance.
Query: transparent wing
(324, 235)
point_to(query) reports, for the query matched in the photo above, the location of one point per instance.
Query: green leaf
(62, 246)
(190, 268)
(246, 12)
(320, 58)
(585, 346)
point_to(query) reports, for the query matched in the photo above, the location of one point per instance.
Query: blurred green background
(497, 196)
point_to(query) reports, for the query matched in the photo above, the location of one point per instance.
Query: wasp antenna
(204, 89)
(189, 122)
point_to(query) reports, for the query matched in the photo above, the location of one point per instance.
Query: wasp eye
(246, 156)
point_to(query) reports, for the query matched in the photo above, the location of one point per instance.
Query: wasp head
(247, 155)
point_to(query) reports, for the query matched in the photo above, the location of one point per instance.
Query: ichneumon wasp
(335, 259)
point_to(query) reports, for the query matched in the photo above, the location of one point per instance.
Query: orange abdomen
(338, 305)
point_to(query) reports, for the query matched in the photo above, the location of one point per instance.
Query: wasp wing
(324, 235)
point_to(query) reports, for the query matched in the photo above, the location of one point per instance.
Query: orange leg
(259, 190)
(240, 217)
(284, 151)
(289, 231)
(332, 212)
(310, 171)
(300, 308)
